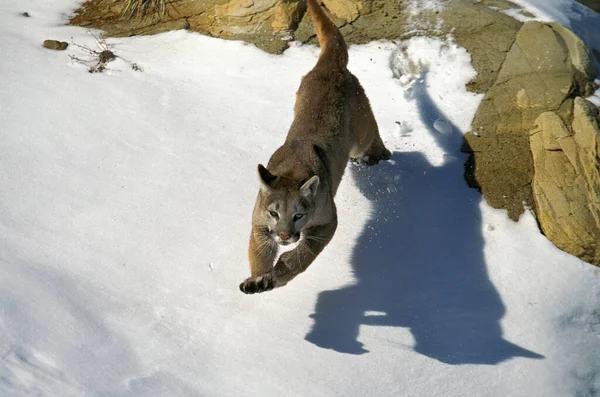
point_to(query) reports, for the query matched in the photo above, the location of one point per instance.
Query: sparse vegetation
(142, 8)
(95, 59)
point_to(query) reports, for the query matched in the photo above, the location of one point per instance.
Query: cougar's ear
(309, 188)
(266, 179)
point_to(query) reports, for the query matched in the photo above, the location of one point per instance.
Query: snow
(125, 202)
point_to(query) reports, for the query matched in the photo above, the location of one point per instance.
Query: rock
(55, 45)
(248, 17)
(113, 20)
(488, 35)
(579, 53)
(266, 22)
(566, 182)
(347, 10)
(500, 167)
(546, 67)
(252, 20)
(261, 22)
(536, 141)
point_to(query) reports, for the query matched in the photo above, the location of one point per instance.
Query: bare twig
(96, 59)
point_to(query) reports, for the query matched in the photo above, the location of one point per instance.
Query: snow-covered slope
(125, 201)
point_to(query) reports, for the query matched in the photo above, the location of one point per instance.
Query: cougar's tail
(333, 47)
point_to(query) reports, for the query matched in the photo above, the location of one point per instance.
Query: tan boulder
(536, 76)
(347, 10)
(546, 67)
(488, 35)
(578, 51)
(248, 17)
(566, 182)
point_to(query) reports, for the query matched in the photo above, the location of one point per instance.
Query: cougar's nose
(284, 236)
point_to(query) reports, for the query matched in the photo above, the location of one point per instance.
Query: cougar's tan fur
(333, 122)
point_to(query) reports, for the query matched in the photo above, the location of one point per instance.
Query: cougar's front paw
(254, 285)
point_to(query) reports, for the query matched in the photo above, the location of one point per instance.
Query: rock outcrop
(263, 22)
(566, 181)
(545, 69)
(535, 140)
(486, 33)
(245, 19)
(270, 24)
(266, 23)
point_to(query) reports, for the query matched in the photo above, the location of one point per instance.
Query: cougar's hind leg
(368, 148)
(376, 151)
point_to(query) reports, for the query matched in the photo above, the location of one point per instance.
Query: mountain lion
(333, 122)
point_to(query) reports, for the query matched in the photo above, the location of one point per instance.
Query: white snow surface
(125, 203)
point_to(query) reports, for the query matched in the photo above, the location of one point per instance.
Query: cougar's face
(286, 214)
(286, 205)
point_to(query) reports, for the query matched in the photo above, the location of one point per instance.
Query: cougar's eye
(298, 216)
(274, 214)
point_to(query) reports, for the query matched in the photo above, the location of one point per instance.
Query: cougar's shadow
(419, 261)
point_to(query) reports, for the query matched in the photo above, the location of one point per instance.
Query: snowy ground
(125, 202)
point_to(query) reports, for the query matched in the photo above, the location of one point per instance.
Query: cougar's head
(286, 205)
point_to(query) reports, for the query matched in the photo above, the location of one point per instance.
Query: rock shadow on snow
(419, 261)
